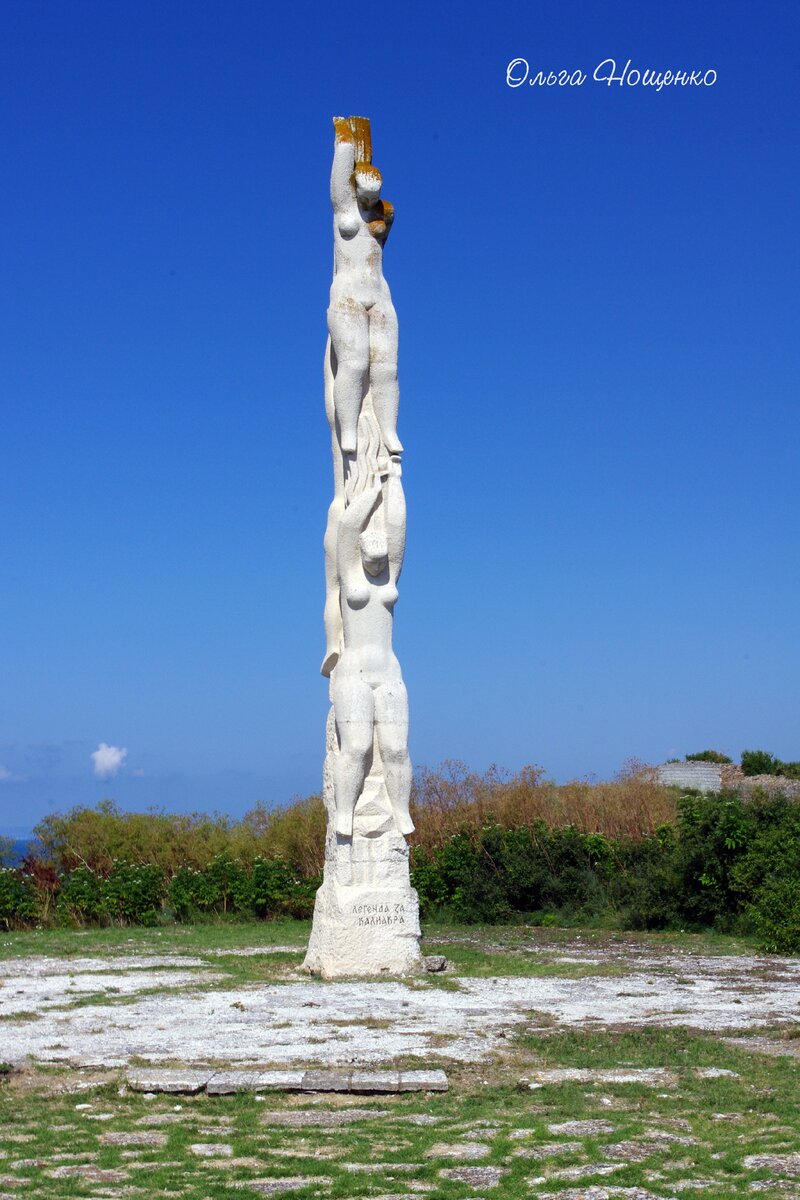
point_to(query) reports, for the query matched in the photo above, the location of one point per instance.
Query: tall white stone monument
(366, 916)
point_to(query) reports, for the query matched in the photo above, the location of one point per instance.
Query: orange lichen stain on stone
(362, 136)
(380, 226)
(342, 130)
(366, 171)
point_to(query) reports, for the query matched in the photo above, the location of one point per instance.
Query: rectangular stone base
(364, 931)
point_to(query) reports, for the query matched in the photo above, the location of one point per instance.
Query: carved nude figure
(333, 616)
(361, 317)
(367, 689)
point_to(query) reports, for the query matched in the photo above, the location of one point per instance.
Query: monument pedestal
(364, 931)
(366, 914)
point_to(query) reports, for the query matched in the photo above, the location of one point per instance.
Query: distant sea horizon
(19, 848)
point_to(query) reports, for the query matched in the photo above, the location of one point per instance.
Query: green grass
(167, 939)
(763, 1096)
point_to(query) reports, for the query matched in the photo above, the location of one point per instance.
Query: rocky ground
(114, 1009)
(580, 1066)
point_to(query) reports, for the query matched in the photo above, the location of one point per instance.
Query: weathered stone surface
(327, 1081)
(133, 1139)
(91, 1173)
(549, 1150)
(487, 1177)
(582, 1128)
(462, 1150)
(297, 1023)
(280, 1081)
(423, 1081)
(274, 1187)
(366, 915)
(599, 1192)
(396, 1196)
(367, 1168)
(369, 1081)
(300, 1117)
(225, 1083)
(778, 1164)
(633, 1150)
(434, 963)
(169, 1118)
(375, 1081)
(211, 1149)
(650, 1076)
(170, 1081)
(586, 1170)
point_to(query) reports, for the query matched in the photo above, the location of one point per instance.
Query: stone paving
(299, 1022)
(515, 1123)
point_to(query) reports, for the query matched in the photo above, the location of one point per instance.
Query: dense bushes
(760, 762)
(488, 848)
(727, 863)
(141, 894)
(99, 837)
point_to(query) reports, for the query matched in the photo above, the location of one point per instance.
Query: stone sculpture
(366, 917)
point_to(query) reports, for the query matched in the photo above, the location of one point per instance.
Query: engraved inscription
(380, 914)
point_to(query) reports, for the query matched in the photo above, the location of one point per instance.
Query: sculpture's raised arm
(343, 196)
(352, 523)
(395, 504)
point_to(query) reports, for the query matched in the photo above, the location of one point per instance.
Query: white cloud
(5, 776)
(108, 760)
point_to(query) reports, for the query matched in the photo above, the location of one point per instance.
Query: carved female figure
(361, 317)
(367, 689)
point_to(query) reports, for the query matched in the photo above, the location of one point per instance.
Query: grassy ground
(233, 935)
(69, 1134)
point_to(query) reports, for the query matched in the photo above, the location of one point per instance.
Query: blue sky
(597, 294)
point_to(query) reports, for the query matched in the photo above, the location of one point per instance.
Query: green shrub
(230, 883)
(134, 893)
(776, 916)
(759, 762)
(190, 892)
(644, 888)
(494, 850)
(271, 887)
(82, 897)
(713, 833)
(18, 905)
(713, 756)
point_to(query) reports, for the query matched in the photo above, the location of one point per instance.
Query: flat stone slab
(598, 1192)
(461, 1150)
(173, 1082)
(582, 1128)
(778, 1164)
(484, 1177)
(274, 1187)
(292, 1024)
(226, 1083)
(370, 1168)
(133, 1138)
(649, 1076)
(548, 1150)
(374, 1081)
